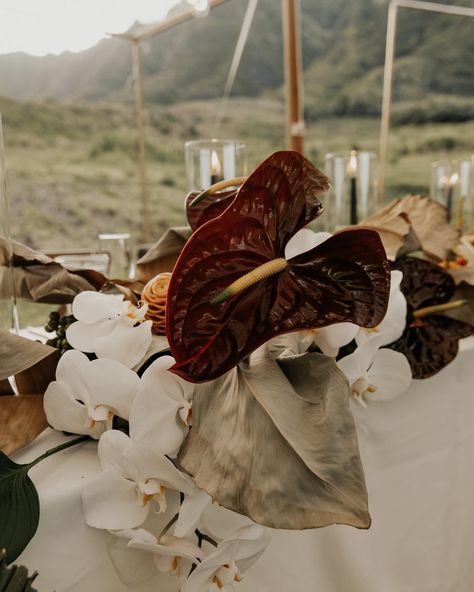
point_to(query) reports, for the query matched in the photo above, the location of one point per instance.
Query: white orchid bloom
(168, 551)
(86, 395)
(393, 324)
(191, 511)
(304, 240)
(232, 557)
(161, 413)
(109, 327)
(330, 339)
(375, 374)
(134, 478)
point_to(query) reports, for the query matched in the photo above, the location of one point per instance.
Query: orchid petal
(111, 449)
(190, 512)
(125, 344)
(331, 339)
(157, 374)
(355, 365)
(82, 336)
(390, 374)
(110, 501)
(111, 383)
(154, 422)
(64, 412)
(149, 463)
(71, 370)
(243, 548)
(393, 324)
(168, 546)
(154, 417)
(140, 463)
(290, 344)
(304, 240)
(91, 307)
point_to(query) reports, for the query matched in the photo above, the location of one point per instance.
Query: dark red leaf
(209, 208)
(346, 278)
(431, 343)
(424, 283)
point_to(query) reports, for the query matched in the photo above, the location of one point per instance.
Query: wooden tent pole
(140, 115)
(295, 126)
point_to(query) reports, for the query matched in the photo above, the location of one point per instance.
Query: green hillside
(72, 169)
(343, 55)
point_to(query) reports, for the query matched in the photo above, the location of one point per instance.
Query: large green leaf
(19, 507)
(14, 578)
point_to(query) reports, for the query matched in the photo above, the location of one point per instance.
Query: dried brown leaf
(18, 354)
(163, 255)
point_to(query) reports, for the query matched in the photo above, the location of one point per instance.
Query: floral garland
(254, 365)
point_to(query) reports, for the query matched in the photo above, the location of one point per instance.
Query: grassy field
(72, 169)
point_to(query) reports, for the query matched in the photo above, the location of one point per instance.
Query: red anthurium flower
(212, 324)
(207, 209)
(430, 340)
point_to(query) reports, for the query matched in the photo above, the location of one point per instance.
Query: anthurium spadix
(216, 316)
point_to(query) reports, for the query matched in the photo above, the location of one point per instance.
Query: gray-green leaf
(19, 507)
(276, 441)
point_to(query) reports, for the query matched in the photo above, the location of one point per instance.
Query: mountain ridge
(343, 53)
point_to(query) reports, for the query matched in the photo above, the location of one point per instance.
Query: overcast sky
(39, 27)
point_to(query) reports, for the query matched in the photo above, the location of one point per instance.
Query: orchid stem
(59, 448)
(204, 537)
(168, 526)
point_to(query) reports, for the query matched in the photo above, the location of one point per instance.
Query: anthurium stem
(423, 312)
(252, 277)
(59, 448)
(235, 182)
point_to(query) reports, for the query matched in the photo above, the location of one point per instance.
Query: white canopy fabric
(418, 456)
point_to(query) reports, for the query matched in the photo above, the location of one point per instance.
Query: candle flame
(446, 181)
(352, 165)
(453, 179)
(215, 164)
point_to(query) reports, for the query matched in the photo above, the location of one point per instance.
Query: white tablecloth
(418, 456)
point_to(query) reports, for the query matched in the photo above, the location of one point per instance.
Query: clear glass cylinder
(211, 161)
(452, 185)
(118, 247)
(352, 197)
(8, 313)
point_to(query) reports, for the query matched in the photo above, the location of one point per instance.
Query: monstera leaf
(19, 507)
(431, 342)
(346, 278)
(209, 208)
(275, 441)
